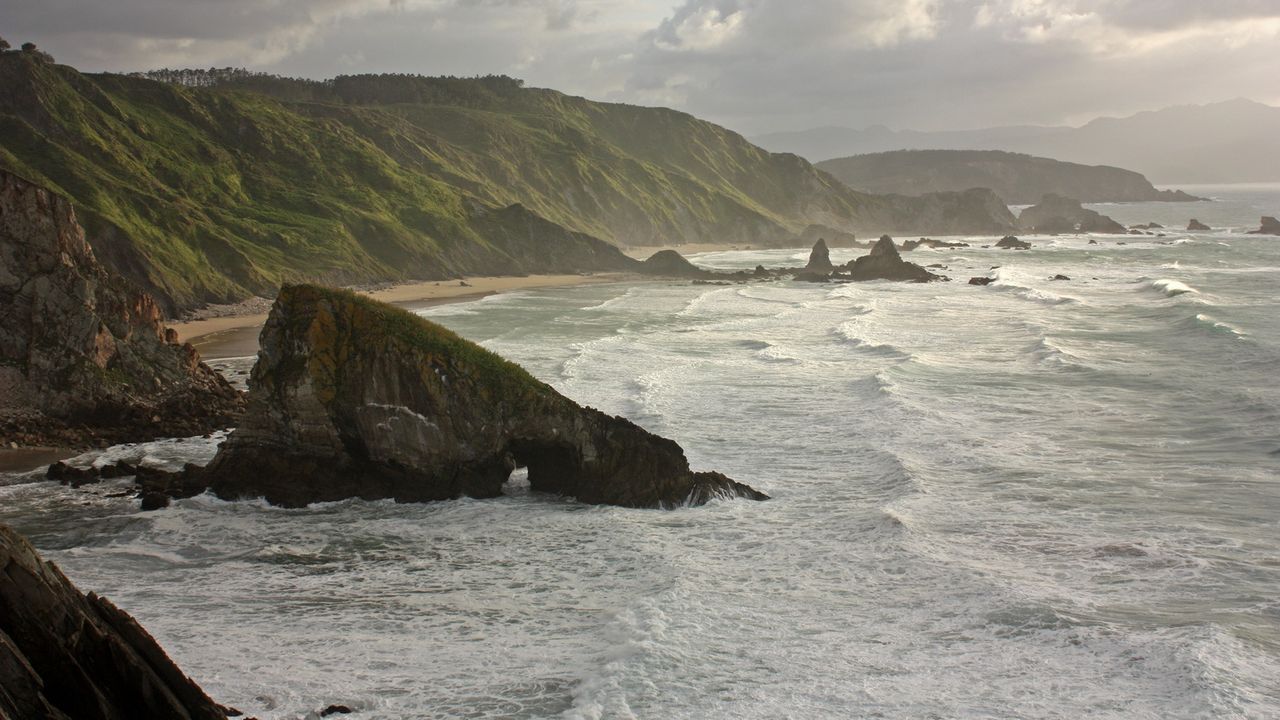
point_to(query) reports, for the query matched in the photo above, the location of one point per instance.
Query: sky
(755, 66)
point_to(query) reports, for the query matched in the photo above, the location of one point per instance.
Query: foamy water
(1038, 499)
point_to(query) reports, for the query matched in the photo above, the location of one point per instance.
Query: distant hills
(1232, 141)
(211, 186)
(1018, 179)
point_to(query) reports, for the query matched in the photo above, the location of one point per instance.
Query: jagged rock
(819, 258)
(66, 655)
(884, 263)
(82, 353)
(1147, 226)
(1197, 226)
(1270, 226)
(761, 272)
(355, 398)
(981, 280)
(1056, 214)
(930, 242)
(1010, 242)
(669, 263)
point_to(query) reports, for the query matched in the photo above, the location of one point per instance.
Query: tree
(31, 49)
(4, 44)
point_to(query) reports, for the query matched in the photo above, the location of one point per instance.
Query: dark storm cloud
(755, 65)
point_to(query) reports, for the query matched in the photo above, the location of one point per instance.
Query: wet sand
(237, 336)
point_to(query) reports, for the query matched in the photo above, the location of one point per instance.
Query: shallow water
(1040, 499)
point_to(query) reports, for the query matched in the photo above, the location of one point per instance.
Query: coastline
(236, 335)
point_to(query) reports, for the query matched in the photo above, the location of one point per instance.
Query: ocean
(1034, 499)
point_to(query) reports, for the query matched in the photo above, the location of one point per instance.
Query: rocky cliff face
(83, 354)
(354, 398)
(66, 655)
(1058, 214)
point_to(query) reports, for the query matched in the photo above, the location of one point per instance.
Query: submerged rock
(83, 355)
(355, 398)
(1009, 242)
(1056, 214)
(1197, 226)
(884, 263)
(67, 655)
(819, 258)
(1270, 226)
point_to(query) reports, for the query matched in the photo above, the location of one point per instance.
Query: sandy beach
(237, 336)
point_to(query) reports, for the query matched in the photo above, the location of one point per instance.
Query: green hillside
(215, 193)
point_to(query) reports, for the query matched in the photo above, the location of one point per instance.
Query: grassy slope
(214, 194)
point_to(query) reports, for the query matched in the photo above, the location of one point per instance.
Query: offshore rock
(669, 263)
(1197, 226)
(930, 242)
(819, 258)
(67, 655)
(1270, 226)
(83, 355)
(981, 280)
(354, 398)
(1009, 242)
(1056, 214)
(884, 263)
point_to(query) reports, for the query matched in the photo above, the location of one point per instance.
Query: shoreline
(236, 335)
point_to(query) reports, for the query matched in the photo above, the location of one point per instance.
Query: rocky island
(1055, 214)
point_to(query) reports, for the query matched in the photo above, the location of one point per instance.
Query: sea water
(1033, 499)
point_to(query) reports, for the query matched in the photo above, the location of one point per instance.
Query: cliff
(354, 398)
(83, 356)
(1055, 214)
(66, 655)
(214, 194)
(1018, 179)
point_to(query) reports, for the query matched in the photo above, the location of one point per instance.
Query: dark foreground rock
(1270, 226)
(819, 258)
(884, 263)
(1056, 214)
(84, 358)
(67, 655)
(1197, 226)
(355, 398)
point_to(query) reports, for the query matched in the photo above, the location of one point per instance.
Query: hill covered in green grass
(216, 192)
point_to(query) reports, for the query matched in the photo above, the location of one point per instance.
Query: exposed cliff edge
(1055, 214)
(355, 398)
(1018, 179)
(67, 655)
(83, 356)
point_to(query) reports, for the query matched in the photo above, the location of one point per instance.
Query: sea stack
(819, 258)
(83, 355)
(1056, 214)
(67, 655)
(884, 263)
(355, 398)
(1270, 226)
(1197, 226)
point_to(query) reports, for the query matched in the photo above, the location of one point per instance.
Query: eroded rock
(884, 263)
(1055, 214)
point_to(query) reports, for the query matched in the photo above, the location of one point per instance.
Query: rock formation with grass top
(355, 398)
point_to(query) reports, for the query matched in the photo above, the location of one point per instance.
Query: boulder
(1197, 226)
(669, 263)
(1010, 242)
(1270, 226)
(981, 280)
(1059, 277)
(355, 398)
(67, 655)
(819, 258)
(83, 355)
(1055, 214)
(884, 263)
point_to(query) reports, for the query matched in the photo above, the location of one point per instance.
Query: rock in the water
(819, 258)
(1010, 242)
(669, 263)
(884, 263)
(1270, 226)
(1056, 214)
(354, 398)
(1197, 226)
(66, 655)
(930, 242)
(1059, 277)
(981, 280)
(83, 355)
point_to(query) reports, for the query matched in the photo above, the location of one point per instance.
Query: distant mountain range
(1017, 178)
(1232, 141)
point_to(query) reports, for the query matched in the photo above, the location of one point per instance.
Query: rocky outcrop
(884, 263)
(819, 258)
(1010, 242)
(1056, 214)
(981, 280)
(83, 356)
(669, 263)
(355, 398)
(910, 245)
(1197, 226)
(1270, 226)
(67, 655)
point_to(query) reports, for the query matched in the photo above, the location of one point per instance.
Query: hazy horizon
(756, 66)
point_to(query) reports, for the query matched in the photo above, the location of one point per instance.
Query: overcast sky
(753, 65)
